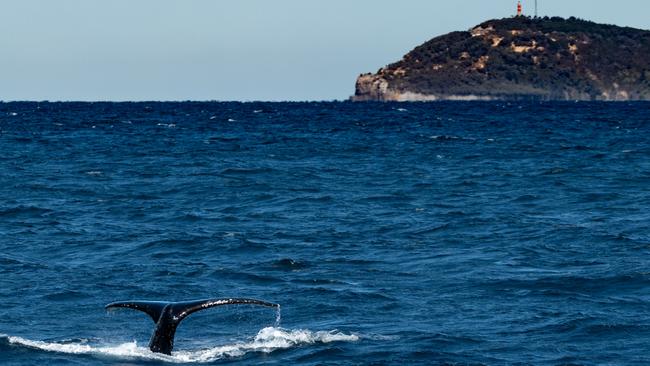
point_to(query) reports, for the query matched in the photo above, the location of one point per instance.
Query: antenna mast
(535, 8)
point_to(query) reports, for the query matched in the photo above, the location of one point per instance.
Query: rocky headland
(520, 58)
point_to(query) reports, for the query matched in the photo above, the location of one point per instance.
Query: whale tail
(168, 315)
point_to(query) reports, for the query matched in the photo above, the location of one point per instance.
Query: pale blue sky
(234, 50)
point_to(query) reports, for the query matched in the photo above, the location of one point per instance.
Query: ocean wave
(24, 210)
(267, 340)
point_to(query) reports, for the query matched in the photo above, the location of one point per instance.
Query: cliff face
(520, 59)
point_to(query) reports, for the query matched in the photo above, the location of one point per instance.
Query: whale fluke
(168, 315)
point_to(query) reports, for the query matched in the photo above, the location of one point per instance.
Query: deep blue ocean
(434, 233)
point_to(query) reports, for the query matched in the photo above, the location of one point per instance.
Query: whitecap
(267, 340)
(444, 137)
(123, 350)
(231, 120)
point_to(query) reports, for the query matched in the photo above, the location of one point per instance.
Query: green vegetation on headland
(520, 58)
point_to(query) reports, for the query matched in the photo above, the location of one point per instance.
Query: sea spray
(278, 316)
(267, 340)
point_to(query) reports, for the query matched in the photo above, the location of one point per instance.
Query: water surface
(442, 233)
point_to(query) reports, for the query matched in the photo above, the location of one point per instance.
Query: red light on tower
(520, 9)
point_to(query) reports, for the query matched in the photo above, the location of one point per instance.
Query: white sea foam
(266, 341)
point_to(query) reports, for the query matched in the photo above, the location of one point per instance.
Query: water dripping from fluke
(278, 316)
